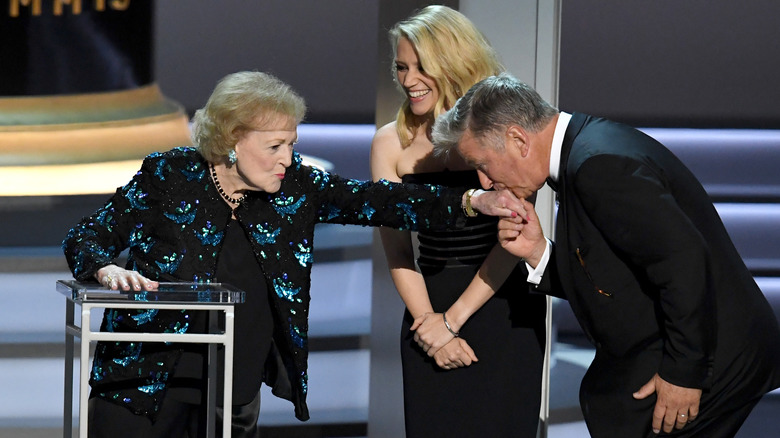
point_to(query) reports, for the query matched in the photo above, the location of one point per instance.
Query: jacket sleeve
(98, 239)
(382, 203)
(633, 208)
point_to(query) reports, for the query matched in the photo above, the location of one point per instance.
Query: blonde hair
(239, 103)
(452, 51)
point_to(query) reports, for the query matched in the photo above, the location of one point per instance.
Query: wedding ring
(109, 280)
(683, 415)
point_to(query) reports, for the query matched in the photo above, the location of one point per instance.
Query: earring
(232, 158)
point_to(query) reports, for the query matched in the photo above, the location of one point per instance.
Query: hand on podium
(116, 278)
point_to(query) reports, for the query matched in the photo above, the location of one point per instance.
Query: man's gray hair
(487, 109)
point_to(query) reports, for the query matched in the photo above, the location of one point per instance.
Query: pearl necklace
(221, 191)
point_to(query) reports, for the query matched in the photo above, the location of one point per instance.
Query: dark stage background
(689, 63)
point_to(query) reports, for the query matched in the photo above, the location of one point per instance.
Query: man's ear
(518, 137)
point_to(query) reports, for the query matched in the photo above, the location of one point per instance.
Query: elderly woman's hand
(116, 278)
(502, 203)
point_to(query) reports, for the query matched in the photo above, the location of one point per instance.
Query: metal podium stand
(214, 297)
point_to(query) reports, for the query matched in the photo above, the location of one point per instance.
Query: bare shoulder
(386, 151)
(386, 137)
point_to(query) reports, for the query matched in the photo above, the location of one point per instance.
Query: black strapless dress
(499, 396)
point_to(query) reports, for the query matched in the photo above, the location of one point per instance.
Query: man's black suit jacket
(645, 262)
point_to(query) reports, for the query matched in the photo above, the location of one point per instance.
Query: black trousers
(176, 419)
(610, 410)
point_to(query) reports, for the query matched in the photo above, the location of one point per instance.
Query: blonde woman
(482, 375)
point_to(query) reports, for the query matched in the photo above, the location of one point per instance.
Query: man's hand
(523, 236)
(502, 203)
(676, 406)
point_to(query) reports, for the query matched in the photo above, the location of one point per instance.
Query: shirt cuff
(535, 274)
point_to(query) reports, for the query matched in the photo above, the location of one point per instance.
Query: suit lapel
(563, 258)
(576, 123)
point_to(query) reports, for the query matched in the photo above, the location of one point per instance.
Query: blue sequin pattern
(136, 197)
(184, 214)
(298, 336)
(286, 289)
(145, 316)
(265, 235)
(209, 235)
(288, 206)
(151, 389)
(303, 254)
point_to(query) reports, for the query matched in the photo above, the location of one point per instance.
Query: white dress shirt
(535, 273)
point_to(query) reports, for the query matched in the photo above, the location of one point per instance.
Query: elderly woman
(239, 208)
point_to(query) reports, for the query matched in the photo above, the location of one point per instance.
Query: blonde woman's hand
(430, 333)
(456, 354)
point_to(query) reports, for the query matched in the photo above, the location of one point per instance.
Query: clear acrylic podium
(214, 297)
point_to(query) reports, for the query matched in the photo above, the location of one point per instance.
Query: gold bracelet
(468, 210)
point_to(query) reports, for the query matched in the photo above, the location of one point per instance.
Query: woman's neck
(229, 183)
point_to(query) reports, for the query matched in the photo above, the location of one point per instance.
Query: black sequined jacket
(171, 220)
